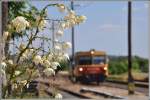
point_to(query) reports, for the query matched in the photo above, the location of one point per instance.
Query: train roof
(91, 52)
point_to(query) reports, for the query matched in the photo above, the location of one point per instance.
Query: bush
(119, 65)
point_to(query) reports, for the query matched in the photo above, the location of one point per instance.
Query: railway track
(137, 83)
(106, 90)
(81, 93)
(139, 87)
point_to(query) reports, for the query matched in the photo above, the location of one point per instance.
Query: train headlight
(92, 52)
(105, 68)
(80, 69)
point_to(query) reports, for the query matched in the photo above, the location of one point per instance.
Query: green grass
(137, 75)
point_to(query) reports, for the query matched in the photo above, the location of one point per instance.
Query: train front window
(85, 61)
(99, 60)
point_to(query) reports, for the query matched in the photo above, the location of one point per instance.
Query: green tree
(10, 10)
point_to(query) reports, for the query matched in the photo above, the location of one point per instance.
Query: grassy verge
(124, 77)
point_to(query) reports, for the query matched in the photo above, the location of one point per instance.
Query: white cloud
(110, 28)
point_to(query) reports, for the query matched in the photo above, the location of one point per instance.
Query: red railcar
(90, 66)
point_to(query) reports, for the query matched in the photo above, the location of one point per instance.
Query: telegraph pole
(148, 45)
(42, 45)
(131, 85)
(72, 31)
(53, 34)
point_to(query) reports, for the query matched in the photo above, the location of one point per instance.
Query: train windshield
(92, 60)
(85, 61)
(99, 60)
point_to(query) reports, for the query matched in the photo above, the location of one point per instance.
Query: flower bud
(61, 7)
(22, 46)
(10, 62)
(49, 72)
(58, 96)
(67, 45)
(59, 33)
(37, 59)
(5, 35)
(17, 72)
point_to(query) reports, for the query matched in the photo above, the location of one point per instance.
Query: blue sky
(106, 26)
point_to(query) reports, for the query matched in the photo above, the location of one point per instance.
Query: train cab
(90, 66)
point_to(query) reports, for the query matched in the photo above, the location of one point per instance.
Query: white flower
(58, 96)
(3, 65)
(66, 56)
(50, 56)
(67, 45)
(5, 35)
(24, 82)
(72, 22)
(82, 18)
(10, 62)
(61, 7)
(24, 55)
(37, 59)
(42, 24)
(54, 65)
(71, 14)
(49, 72)
(20, 23)
(17, 72)
(46, 63)
(63, 57)
(22, 46)
(57, 47)
(31, 50)
(59, 33)
(63, 25)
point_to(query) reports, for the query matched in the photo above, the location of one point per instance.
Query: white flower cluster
(67, 45)
(31, 58)
(72, 19)
(10, 62)
(49, 71)
(27, 54)
(50, 66)
(37, 59)
(20, 24)
(58, 96)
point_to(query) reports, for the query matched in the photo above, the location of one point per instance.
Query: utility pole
(131, 85)
(42, 45)
(53, 34)
(72, 31)
(149, 43)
